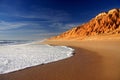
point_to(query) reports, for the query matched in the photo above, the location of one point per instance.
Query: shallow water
(17, 57)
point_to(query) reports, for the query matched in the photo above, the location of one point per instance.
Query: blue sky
(38, 19)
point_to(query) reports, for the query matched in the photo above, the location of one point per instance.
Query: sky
(39, 19)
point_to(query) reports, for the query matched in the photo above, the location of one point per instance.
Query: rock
(105, 23)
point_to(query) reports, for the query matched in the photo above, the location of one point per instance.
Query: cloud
(32, 23)
(8, 25)
(63, 26)
(27, 25)
(45, 14)
(51, 17)
(45, 34)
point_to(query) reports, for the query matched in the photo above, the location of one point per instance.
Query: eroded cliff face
(106, 23)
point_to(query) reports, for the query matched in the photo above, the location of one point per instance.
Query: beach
(92, 60)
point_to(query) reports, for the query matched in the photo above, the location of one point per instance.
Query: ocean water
(16, 55)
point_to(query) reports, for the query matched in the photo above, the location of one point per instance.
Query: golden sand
(93, 60)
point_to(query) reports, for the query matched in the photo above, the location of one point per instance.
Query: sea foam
(17, 57)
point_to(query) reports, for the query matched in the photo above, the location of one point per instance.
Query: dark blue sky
(37, 19)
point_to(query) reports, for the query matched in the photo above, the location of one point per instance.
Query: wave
(17, 57)
(14, 42)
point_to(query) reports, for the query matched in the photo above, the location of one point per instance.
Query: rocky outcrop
(106, 23)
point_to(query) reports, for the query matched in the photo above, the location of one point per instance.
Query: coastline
(90, 62)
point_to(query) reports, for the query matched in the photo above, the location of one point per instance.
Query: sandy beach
(93, 60)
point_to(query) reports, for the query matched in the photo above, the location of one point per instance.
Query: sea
(20, 54)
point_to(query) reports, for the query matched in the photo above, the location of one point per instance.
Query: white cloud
(62, 26)
(47, 14)
(9, 25)
(4, 25)
(41, 20)
(70, 25)
(45, 34)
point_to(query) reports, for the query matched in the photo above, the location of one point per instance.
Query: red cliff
(105, 23)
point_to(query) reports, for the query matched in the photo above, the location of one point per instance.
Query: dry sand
(93, 60)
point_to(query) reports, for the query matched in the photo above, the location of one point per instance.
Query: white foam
(17, 57)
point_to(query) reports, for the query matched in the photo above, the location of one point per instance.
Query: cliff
(105, 23)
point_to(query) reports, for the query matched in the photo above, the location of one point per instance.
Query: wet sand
(93, 60)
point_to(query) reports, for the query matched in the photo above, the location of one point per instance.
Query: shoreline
(88, 63)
